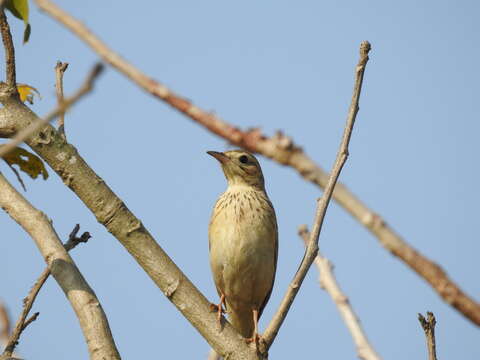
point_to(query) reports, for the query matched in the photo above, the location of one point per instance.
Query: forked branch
(93, 320)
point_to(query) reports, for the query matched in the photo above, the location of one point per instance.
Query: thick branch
(312, 247)
(111, 212)
(90, 314)
(22, 321)
(283, 150)
(428, 326)
(328, 282)
(10, 75)
(34, 127)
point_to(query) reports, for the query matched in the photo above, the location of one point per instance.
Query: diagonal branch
(328, 282)
(312, 247)
(22, 321)
(93, 320)
(283, 150)
(64, 106)
(111, 212)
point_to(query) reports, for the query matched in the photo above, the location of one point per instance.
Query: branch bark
(93, 320)
(328, 282)
(428, 326)
(283, 150)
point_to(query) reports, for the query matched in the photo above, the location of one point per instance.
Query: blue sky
(278, 65)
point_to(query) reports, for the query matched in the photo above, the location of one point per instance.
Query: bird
(243, 243)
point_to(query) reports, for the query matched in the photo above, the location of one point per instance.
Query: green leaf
(19, 9)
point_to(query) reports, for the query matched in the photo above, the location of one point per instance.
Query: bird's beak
(221, 157)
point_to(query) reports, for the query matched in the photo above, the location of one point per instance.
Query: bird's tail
(242, 321)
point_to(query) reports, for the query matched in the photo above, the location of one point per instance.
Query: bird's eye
(243, 159)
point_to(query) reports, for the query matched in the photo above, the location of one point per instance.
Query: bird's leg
(219, 309)
(255, 338)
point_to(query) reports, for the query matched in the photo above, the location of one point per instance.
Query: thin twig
(283, 150)
(22, 323)
(428, 326)
(10, 75)
(312, 248)
(60, 69)
(329, 284)
(64, 106)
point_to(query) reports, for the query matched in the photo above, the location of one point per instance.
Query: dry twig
(283, 150)
(64, 106)
(428, 326)
(91, 316)
(328, 282)
(60, 69)
(312, 247)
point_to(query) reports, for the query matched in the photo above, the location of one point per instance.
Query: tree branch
(60, 69)
(428, 326)
(87, 307)
(22, 323)
(111, 212)
(283, 150)
(34, 127)
(10, 75)
(312, 247)
(328, 282)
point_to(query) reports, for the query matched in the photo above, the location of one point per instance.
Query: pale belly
(243, 255)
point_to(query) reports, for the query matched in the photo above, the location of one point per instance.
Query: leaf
(27, 162)
(27, 92)
(19, 9)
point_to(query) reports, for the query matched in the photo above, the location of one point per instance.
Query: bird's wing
(267, 297)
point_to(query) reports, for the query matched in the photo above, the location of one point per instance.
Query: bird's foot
(218, 308)
(254, 339)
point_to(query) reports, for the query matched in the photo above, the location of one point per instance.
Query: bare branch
(22, 323)
(328, 282)
(9, 52)
(64, 106)
(60, 69)
(312, 247)
(87, 307)
(283, 150)
(428, 326)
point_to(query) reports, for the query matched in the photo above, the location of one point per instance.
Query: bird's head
(240, 168)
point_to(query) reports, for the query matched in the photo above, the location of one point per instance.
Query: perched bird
(243, 242)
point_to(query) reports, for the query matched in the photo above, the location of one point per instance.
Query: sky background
(277, 65)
